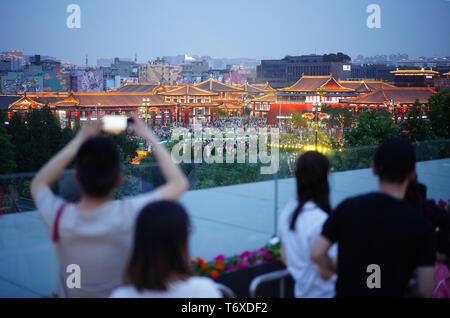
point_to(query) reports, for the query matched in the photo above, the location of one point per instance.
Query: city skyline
(259, 30)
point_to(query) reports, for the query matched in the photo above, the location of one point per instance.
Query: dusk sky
(227, 28)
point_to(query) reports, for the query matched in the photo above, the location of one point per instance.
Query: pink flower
(245, 254)
(241, 264)
(442, 203)
(258, 262)
(220, 258)
(230, 268)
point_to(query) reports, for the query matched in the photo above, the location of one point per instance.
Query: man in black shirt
(382, 242)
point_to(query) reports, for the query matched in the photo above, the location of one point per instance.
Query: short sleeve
(48, 204)
(132, 206)
(331, 226)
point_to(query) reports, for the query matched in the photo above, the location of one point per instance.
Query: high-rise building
(280, 73)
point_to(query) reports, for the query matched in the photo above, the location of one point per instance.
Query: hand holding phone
(115, 124)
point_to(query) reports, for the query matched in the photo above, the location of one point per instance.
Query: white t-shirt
(194, 287)
(99, 241)
(297, 245)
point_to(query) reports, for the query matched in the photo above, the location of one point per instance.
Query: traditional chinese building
(414, 78)
(364, 86)
(230, 98)
(394, 99)
(79, 106)
(261, 105)
(194, 105)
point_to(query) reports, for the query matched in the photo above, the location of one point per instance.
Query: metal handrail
(268, 277)
(226, 291)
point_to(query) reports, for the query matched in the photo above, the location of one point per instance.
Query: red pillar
(162, 117)
(211, 111)
(186, 115)
(154, 118)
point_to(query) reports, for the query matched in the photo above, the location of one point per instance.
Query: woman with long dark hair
(159, 264)
(301, 223)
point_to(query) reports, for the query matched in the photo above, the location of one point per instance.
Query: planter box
(239, 281)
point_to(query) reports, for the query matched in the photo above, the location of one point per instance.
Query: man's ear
(374, 169)
(75, 175)
(120, 180)
(413, 175)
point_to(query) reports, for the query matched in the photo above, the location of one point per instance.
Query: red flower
(219, 265)
(214, 274)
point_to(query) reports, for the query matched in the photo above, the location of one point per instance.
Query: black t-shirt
(378, 229)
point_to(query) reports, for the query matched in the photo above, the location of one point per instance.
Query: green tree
(7, 163)
(372, 127)
(414, 127)
(298, 120)
(45, 136)
(439, 114)
(127, 147)
(21, 141)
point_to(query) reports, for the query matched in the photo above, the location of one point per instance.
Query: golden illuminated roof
(398, 95)
(316, 83)
(271, 98)
(413, 72)
(188, 90)
(214, 85)
(25, 102)
(364, 85)
(251, 88)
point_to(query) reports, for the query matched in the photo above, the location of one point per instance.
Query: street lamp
(145, 104)
(316, 109)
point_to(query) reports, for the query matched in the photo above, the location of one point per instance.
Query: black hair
(311, 174)
(98, 166)
(415, 192)
(394, 160)
(160, 246)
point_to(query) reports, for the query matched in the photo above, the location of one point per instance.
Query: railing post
(275, 212)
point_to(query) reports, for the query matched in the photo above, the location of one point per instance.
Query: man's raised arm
(51, 171)
(176, 182)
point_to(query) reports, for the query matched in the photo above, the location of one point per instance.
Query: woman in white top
(159, 265)
(301, 223)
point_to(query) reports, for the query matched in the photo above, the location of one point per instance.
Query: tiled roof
(271, 98)
(215, 86)
(414, 72)
(317, 83)
(364, 85)
(119, 99)
(188, 90)
(251, 88)
(137, 87)
(399, 95)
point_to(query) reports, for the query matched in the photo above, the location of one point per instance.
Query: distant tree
(21, 141)
(339, 57)
(45, 138)
(7, 163)
(414, 127)
(439, 114)
(372, 127)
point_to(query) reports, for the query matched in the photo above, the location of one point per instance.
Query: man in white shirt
(96, 233)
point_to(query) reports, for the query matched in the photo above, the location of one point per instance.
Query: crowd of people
(372, 245)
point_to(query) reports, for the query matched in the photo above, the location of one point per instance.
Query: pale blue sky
(227, 28)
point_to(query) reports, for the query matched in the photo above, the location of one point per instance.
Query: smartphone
(115, 124)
